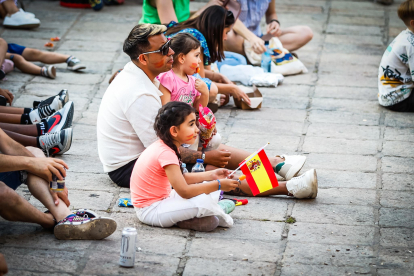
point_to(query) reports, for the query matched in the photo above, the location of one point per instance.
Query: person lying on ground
(21, 57)
(396, 69)
(129, 107)
(29, 166)
(46, 126)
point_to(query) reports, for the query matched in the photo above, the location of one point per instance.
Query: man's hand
(258, 45)
(8, 95)
(220, 174)
(218, 158)
(45, 167)
(3, 265)
(274, 29)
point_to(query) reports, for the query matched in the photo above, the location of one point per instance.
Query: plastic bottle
(266, 59)
(184, 166)
(198, 167)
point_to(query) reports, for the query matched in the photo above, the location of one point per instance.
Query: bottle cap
(200, 161)
(183, 165)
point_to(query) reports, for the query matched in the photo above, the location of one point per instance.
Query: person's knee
(213, 92)
(38, 153)
(307, 34)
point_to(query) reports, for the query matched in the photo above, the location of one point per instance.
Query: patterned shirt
(252, 12)
(197, 34)
(396, 69)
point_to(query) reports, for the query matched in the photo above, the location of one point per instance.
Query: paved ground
(362, 221)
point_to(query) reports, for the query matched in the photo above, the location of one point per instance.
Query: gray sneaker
(56, 143)
(75, 64)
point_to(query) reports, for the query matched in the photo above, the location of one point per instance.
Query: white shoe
(304, 186)
(293, 164)
(29, 14)
(20, 20)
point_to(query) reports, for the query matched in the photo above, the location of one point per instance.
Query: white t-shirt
(396, 69)
(126, 117)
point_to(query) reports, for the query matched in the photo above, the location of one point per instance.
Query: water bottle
(266, 60)
(198, 167)
(184, 166)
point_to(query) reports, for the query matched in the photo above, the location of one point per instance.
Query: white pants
(169, 211)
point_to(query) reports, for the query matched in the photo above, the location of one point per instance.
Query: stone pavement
(362, 221)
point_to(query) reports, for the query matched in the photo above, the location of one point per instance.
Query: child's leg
(23, 65)
(175, 209)
(27, 141)
(31, 54)
(10, 6)
(10, 118)
(12, 110)
(29, 130)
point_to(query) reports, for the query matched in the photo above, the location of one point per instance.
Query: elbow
(184, 193)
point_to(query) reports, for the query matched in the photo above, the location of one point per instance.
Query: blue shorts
(13, 179)
(15, 48)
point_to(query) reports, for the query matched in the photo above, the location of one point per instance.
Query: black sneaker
(63, 98)
(56, 143)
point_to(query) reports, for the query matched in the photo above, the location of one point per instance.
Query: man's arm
(189, 156)
(218, 158)
(10, 147)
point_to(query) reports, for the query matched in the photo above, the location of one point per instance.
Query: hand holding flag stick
(247, 160)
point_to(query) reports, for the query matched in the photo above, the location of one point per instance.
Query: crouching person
(29, 166)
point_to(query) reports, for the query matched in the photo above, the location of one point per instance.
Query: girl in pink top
(178, 84)
(189, 205)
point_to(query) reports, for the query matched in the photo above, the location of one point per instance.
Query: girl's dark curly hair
(171, 114)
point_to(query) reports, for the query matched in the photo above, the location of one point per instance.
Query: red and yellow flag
(259, 172)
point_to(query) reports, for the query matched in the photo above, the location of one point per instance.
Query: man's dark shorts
(122, 175)
(13, 179)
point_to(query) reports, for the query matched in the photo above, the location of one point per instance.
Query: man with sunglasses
(131, 102)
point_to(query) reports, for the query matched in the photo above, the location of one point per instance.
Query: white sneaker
(20, 20)
(293, 164)
(304, 186)
(29, 14)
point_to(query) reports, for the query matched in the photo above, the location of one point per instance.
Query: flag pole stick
(245, 161)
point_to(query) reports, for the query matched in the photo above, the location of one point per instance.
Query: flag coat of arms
(259, 172)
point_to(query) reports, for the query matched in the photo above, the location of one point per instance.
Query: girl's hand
(201, 87)
(220, 174)
(274, 29)
(228, 185)
(238, 93)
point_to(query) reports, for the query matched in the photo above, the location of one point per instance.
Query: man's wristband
(203, 154)
(275, 20)
(219, 188)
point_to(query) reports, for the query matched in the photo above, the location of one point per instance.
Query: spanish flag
(259, 172)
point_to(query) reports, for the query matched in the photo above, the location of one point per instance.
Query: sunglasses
(165, 48)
